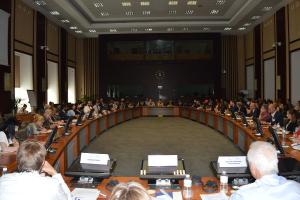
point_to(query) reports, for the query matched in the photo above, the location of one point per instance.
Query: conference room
(143, 99)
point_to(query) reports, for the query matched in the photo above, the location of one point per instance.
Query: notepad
(85, 194)
(215, 196)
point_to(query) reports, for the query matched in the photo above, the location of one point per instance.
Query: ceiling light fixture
(126, 4)
(40, 3)
(227, 28)
(134, 30)
(267, 8)
(220, 2)
(191, 3)
(170, 29)
(92, 31)
(65, 21)
(78, 31)
(255, 17)
(214, 12)
(242, 28)
(148, 29)
(185, 28)
(172, 12)
(73, 27)
(129, 13)
(206, 29)
(112, 30)
(146, 12)
(54, 12)
(145, 3)
(247, 24)
(98, 4)
(173, 3)
(104, 14)
(189, 12)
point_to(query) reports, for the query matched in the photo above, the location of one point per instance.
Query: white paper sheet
(94, 158)
(232, 161)
(85, 194)
(215, 196)
(162, 160)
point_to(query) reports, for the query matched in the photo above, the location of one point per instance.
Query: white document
(162, 160)
(85, 194)
(232, 161)
(215, 196)
(177, 195)
(94, 158)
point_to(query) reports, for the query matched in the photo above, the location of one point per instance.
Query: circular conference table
(68, 148)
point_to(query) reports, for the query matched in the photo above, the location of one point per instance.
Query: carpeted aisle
(132, 141)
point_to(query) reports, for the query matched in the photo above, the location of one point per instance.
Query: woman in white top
(4, 146)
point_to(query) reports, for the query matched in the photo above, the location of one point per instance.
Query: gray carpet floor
(132, 141)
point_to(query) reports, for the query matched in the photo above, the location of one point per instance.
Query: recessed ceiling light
(73, 27)
(148, 29)
(78, 31)
(173, 3)
(104, 14)
(214, 12)
(146, 12)
(247, 24)
(170, 29)
(40, 3)
(54, 12)
(242, 28)
(191, 3)
(267, 8)
(134, 29)
(112, 30)
(65, 21)
(92, 31)
(255, 17)
(206, 29)
(185, 28)
(98, 4)
(129, 13)
(145, 3)
(189, 12)
(220, 2)
(126, 3)
(172, 12)
(227, 28)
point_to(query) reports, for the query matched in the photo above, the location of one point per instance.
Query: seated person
(23, 110)
(276, 116)
(4, 146)
(263, 164)
(30, 182)
(291, 124)
(253, 110)
(129, 191)
(264, 115)
(241, 108)
(36, 126)
(160, 103)
(170, 104)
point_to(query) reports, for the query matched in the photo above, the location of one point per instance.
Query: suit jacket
(291, 126)
(277, 118)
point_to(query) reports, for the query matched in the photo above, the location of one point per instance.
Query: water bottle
(224, 182)
(187, 187)
(4, 171)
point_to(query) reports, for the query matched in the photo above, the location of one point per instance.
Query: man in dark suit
(277, 116)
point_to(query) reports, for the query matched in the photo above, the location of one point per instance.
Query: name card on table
(162, 160)
(232, 161)
(94, 158)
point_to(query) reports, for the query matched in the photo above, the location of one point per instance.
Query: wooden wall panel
(249, 46)
(71, 47)
(268, 34)
(241, 63)
(24, 23)
(79, 69)
(294, 22)
(52, 38)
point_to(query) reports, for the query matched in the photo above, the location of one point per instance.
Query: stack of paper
(215, 196)
(85, 194)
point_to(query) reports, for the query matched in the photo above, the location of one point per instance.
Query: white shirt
(33, 186)
(3, 139)
(269, 187)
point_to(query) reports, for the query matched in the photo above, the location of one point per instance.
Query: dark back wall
(179, 77)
